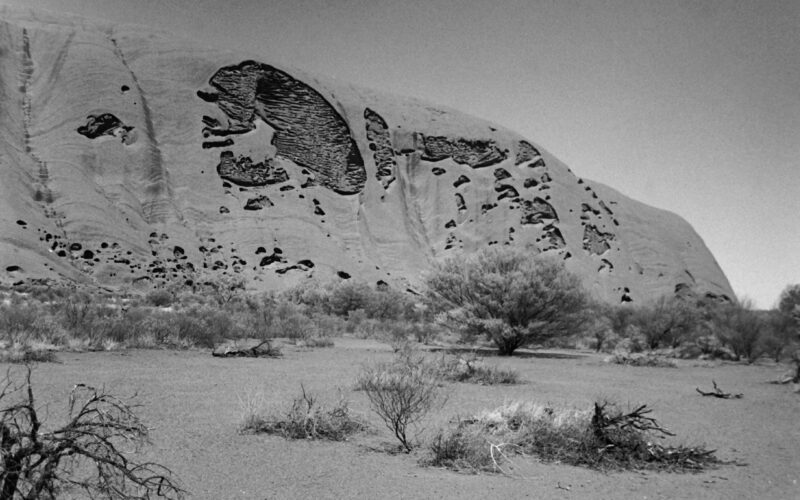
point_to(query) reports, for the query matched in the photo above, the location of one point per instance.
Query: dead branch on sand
(263, 350)
(719, 393)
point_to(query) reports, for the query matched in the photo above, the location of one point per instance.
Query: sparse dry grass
(472, 369)
(306, 419)
(29, 352)
(191, 401)
(606, 438)
(641, 359)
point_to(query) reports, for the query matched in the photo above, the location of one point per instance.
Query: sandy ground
(192, 401)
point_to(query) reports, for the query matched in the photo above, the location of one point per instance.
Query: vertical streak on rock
(43, 192)
(158, 190)
(414, 222)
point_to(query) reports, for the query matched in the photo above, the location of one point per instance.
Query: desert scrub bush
(509, 296)
(379, 302)
(18, 320)
(28, 323)
(789, 303)
(666, 322)
(160, 298)
(739, 328)
(464, 448)
(780, 335)
(638, 359)
(314, 342)
(26, 353)
(606, 438)
(280, 318)
(202, 326)
(472, 369)
(76, 310)
(306, 419)
(402, 392)
(81, 457)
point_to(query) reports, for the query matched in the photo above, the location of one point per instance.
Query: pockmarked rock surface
(120, 146)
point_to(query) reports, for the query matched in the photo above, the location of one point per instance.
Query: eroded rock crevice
(380, 143)
(258, 203)
(308, 130)
(527, 152)
(553, 238)
(242, 171)
(105, 124)
(537, 211)
(595, 241)
(476, 153)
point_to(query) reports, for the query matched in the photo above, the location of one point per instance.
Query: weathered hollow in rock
(308, 130)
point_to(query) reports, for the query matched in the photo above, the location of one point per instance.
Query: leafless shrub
(82, 455)
(401, 392)
(740, 328)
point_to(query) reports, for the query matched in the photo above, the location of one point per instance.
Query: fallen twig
(719, 393)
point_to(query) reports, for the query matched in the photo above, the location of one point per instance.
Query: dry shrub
(160, 298)
(740, 328)
(305, 420)
(649, 359)
(27, 353)
(82, 456)
(314, 342)
(606, 438)
(402, 392)
(472, 369)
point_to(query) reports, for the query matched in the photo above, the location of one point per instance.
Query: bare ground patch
(192, 400)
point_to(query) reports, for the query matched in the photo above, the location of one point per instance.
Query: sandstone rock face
(129, 158)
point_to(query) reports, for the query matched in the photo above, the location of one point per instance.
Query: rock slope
(130, 159)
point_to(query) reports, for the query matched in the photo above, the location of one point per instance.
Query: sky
(688, 105)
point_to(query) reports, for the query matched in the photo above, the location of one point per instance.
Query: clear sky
(688, 105)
